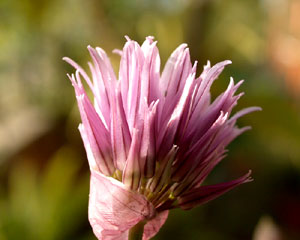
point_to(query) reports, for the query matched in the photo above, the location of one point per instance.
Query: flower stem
(136, 232)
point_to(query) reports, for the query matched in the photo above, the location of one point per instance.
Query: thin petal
(151, 153)
(132, 171)
(130, 80)
(177, 69)
(193, 155)
(80, 69)
(88, 148)
(151, 71)
(120, 135)
(167, 135)
(202, 97)
(94, 132)
(204, 194)
(244, 112)
(175, 75)
(163, 172)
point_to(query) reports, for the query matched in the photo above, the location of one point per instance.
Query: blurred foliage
(44, 172)
(48, 204)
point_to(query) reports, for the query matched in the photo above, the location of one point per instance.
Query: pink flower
(151, 139)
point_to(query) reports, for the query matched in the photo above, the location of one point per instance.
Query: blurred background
(44, 176)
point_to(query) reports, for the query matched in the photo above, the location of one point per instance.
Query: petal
(113, 209)
(174, 78)
(176, 71)
(244, 112)
(120, 135)
(167, 135)
(204, 194)
(89, 147)
(81, 71)
(96, 134)
(152, 227)
(202, 97)
(194, 154)
(132, 172)
(163, 172)
(151, 71)
(224, 103)
(149, 139)
(130, 80)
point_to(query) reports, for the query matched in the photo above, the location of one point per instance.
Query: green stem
(136, 232)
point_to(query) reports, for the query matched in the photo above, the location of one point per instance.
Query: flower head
(151, 139)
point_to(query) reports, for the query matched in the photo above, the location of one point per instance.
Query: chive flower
(152, 138)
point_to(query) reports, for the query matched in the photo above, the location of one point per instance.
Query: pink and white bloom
(152, 138)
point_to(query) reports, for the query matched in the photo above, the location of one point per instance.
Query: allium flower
(151, 139)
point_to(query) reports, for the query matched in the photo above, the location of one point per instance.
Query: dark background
(44, 176)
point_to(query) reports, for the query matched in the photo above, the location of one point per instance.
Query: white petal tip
(118, 51)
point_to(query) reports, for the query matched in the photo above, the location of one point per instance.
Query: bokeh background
(44, 176)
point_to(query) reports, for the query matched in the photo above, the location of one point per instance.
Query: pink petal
(97, 136)
(204, 194)
(132, 172)
(89, 147)
(173, 80)
(80, 69)
(113, 209)
(193, 155)
(202, 96)
(148, 142)
(151, 71)
(130, 80)
(163, 173)
(177, 69)
(167, 135)
(120, 135)
(152, 227)
(244, 112)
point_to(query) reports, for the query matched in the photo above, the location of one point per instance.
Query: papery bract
(151, 139)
